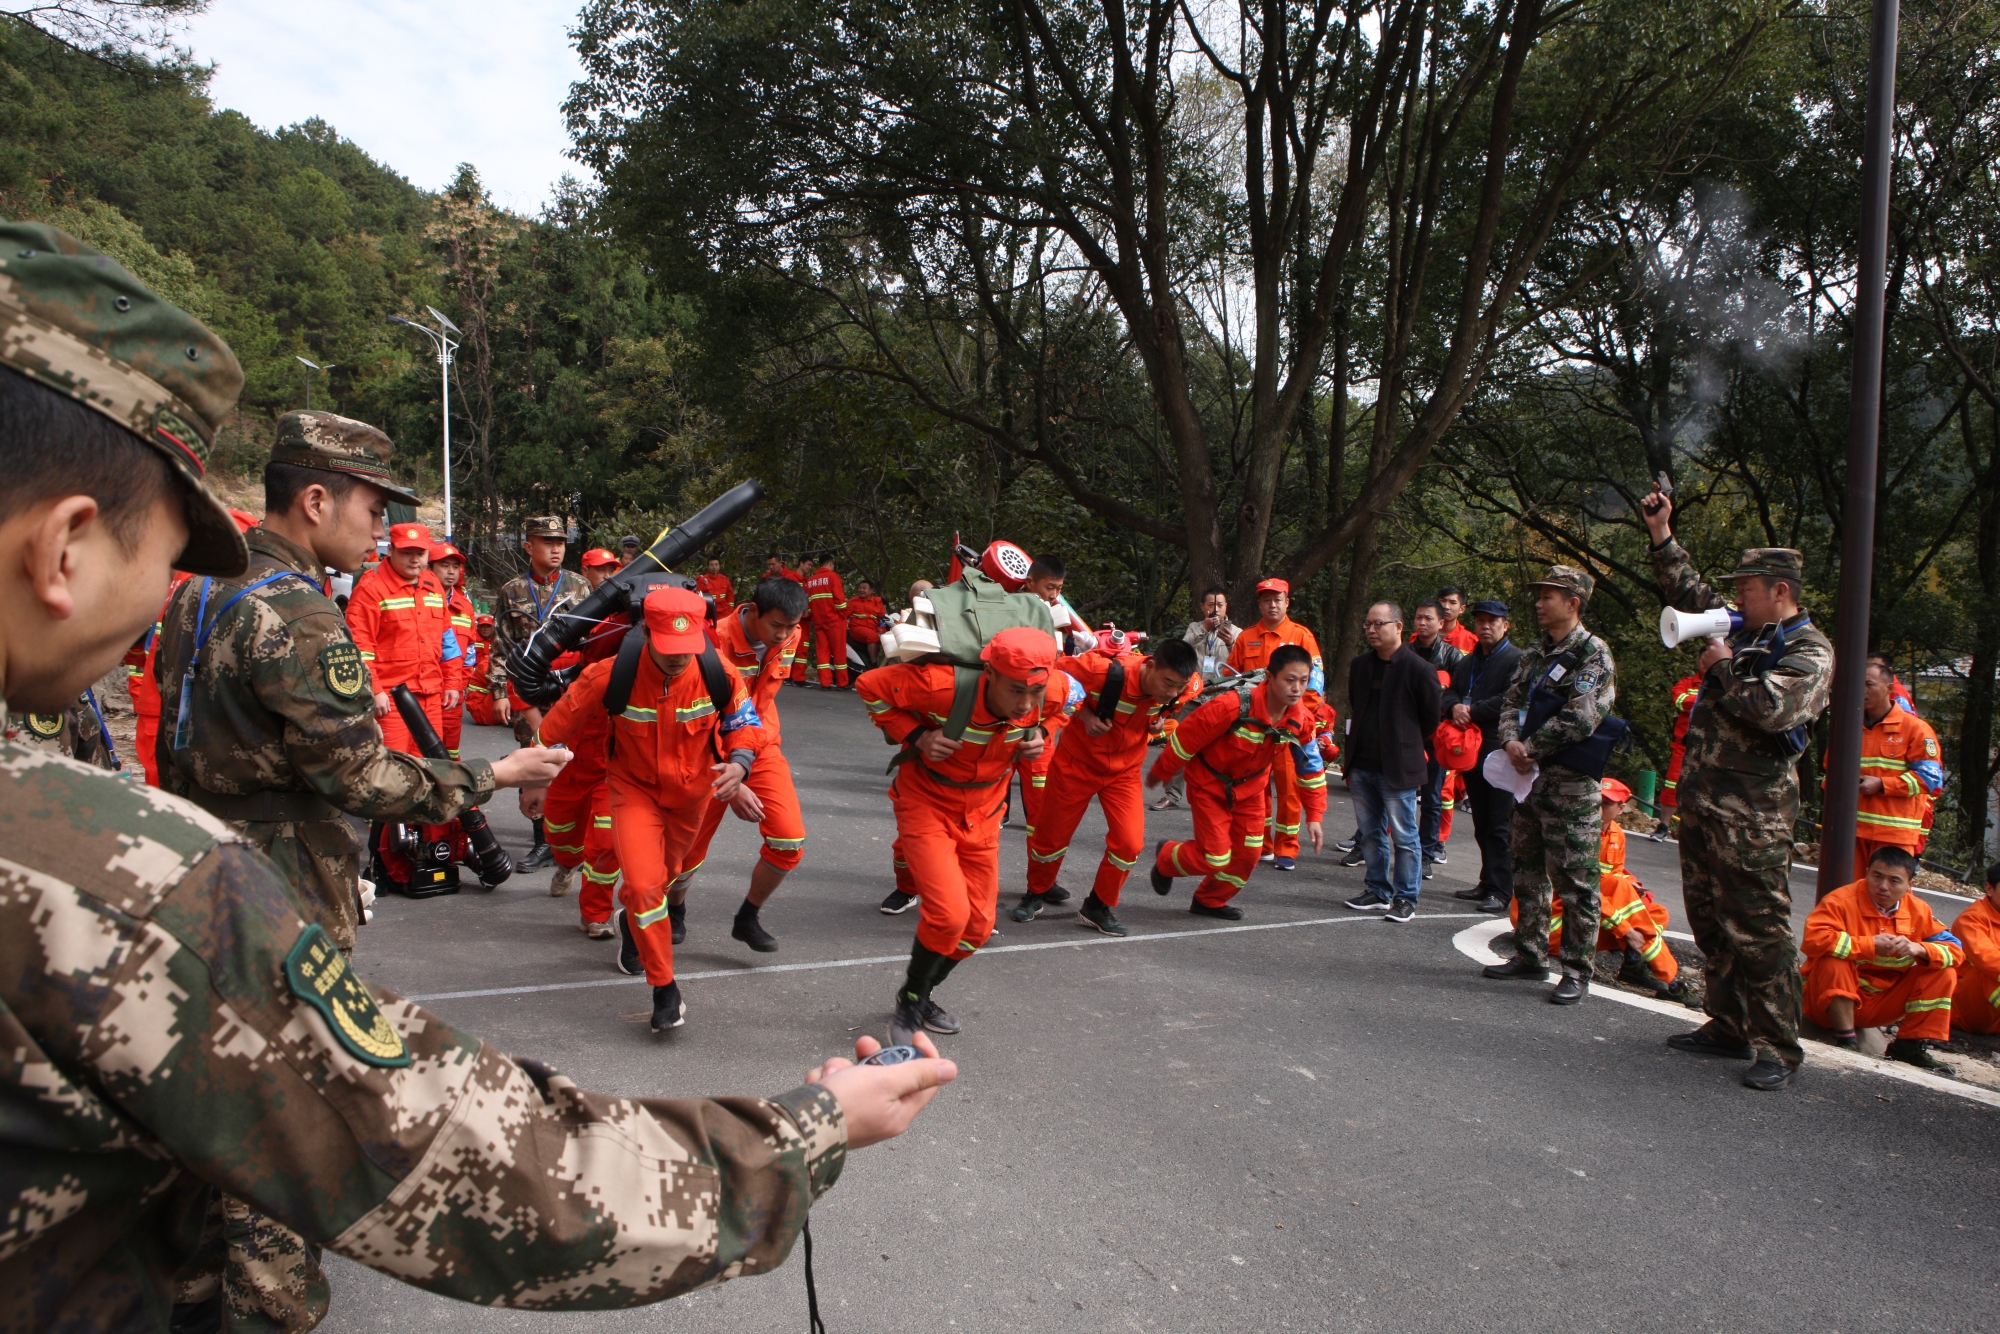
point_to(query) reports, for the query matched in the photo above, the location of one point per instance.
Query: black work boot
(1098, 913)
(668, 1009)
(1162, 882)
(1706, 1041)
(539, 855)
(1768, 1076)
(1030, 907)
(1527, 970)
(629, 962)
(751, 931)
(677, 914)
(1917, 1052)
(1570, 990)
(1056, 894)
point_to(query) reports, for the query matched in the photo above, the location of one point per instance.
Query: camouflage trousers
(322, 860)
(267, 1276)
(1554, 842)
(1737, 886)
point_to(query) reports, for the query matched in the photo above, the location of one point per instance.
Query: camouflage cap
(333, 443)
(1575, 582)
(545, 525)
(74, 320)
(1776, 562)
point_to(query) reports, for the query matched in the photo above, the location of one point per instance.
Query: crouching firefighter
(684, 733)
(961, 733)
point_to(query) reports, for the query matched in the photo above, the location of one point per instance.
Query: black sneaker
(1430, 871)
(897, 902)
(1228, 912)
(1030, 907)
(752, 933)
(668, 1009)
(1162, 882)
(1056, 894)
(1098, 913)
(1768, 1076)
(1346, 845)
(907, 1021)
(628, 948)
(1367, 901)
(1439, 857)
(1704, 1042)
(1353, 858)
(936, 1018)
(1402, 910)
(1660, 832)
(1570, 990)
(1917, 1052)
(677, 913)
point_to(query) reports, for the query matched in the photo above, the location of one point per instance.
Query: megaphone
(1677, 626)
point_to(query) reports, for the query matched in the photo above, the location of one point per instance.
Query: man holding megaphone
(1765, 677)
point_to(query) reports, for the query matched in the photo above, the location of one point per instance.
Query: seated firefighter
(1628, 919)
(1975, 1005)
(1875, 957)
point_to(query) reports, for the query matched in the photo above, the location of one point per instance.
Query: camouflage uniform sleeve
(1516, 697)
(503, 633)
(162, 968)
(331, 738)
(1680, 583)
(1592, 691)
(1793, 693)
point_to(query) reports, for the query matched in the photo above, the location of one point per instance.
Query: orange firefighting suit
(1228, 751)
(1901, 749)
(718, 588)
(1686, 691)
(1840, 960)
(827, 600)
(783, 826)
(145, 691)
(659, 758)
(464, 629)
(576, 817)
(404, 633)
(1975, 1004)
(948, 816)
(1252, 651)
(1626, 906)
(1108, 767)
(864, 620)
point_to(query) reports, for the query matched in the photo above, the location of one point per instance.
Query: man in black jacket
(1393, 703)
(1429, 643)
(1477, 684)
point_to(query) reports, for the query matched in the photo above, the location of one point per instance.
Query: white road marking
(757, 970)
(1476, 943)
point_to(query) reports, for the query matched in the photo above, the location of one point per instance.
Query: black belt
(266, 807)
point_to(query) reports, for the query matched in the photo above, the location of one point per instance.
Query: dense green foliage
(848, 249)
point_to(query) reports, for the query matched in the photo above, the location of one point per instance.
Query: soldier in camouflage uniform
(172, 1025)
(267, 713)
(1555, 831)
(1739, 798)
(526, 602)
(74, 732)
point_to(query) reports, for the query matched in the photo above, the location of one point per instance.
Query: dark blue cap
(1489, 608)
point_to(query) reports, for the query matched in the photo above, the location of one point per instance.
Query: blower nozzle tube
(488, 857)
(529, 666)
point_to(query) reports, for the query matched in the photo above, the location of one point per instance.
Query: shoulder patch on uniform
(319, 974)
(1931, 746)
(346, 674)
(47, 726)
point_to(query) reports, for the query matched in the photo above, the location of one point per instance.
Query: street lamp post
(441, 336)
(313, 368)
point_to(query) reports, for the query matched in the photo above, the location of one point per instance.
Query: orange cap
(1613, 790)
(1274, 586)
(446, 551)
(1021, 654)
(405, 535)
(599, 556)
(674, 619)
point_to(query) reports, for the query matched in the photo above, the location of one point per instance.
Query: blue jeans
(1388, 817)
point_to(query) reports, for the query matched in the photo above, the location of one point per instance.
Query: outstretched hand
(878, 1102)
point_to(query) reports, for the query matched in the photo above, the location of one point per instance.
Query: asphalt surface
(1317, 1125)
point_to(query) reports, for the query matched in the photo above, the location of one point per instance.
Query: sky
(420, 87)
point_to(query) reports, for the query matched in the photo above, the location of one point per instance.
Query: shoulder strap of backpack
(624, 671)
(715, 678)
(964, 694)
(1114, 690)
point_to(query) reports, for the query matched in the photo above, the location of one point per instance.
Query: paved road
(1322, 1125)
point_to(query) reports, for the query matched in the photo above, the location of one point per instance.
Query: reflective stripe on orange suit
(1975, 1003)
(1229, 836)
(472, 664)
(578, 798)
(783, 827)
(864, 619)
(1840, 960)
(1902, 751)
(1251, 652)
(1109, 767)
(949, 837)
(1625, 906)
(826, 599)
(1686, 691)
(400, 628)
(659, 762)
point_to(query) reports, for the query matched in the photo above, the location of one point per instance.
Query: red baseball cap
(674, 620)
(446, 551)
(245, 520)
(1613, 790)
(599, 556)
(1274, 586)
(404, 535)
(1021, 654)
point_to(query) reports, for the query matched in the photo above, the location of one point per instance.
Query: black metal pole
(1864, 426)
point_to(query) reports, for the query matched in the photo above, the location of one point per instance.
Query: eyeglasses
(1377, 625)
